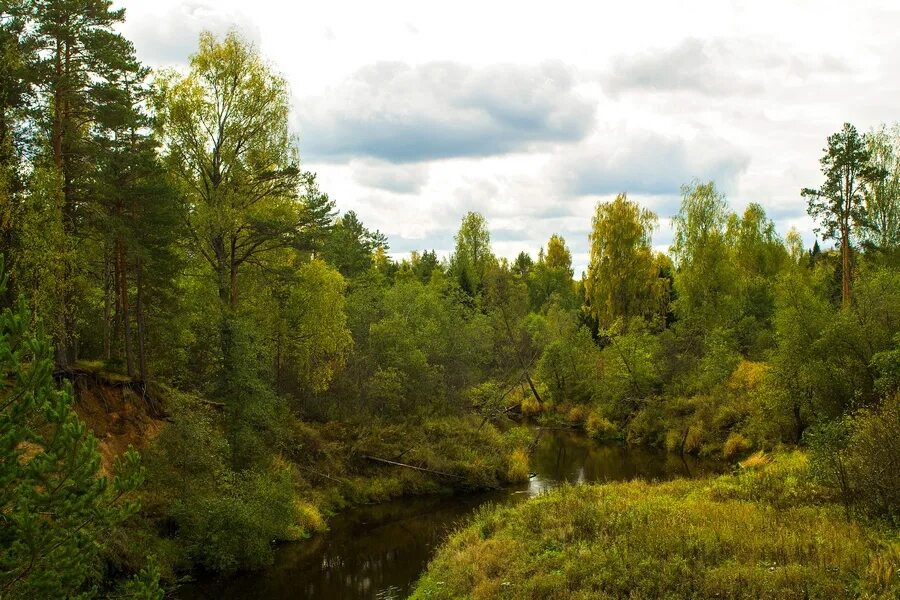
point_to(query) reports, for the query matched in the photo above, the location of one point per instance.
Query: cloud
(401, 179)
(170, 38)
(715, 67)
(401, 113)
(649, 163)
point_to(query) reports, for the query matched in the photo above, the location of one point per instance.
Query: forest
(204, 358)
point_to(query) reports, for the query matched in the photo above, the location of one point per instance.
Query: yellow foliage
(755, 461)
(308, 521)
(530, 406)
(747, 375)
(735, 444)
(689, 440)
(577, 414)
(598, 426)
(518, 466)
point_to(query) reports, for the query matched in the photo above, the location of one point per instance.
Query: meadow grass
(761, 533)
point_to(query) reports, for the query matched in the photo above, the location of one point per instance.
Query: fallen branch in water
(400, 464)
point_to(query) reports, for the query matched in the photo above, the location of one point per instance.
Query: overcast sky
(530, 113)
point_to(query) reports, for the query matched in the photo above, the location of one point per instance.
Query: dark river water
(380, 551)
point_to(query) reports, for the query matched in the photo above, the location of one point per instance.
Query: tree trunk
(107, 305)
(63, 361)
(122, 264)
(142, 356)
(233, 269)
(845, 265)
(525, 367)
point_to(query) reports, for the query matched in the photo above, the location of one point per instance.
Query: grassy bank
(766, 532)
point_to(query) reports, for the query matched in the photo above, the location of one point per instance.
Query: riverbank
(200, 514)
(381, 550)
(766, 531)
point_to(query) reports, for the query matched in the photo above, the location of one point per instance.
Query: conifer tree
(838, 203)
(53, 501)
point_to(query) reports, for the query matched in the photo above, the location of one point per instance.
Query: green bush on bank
(857, 457)
(736, 536)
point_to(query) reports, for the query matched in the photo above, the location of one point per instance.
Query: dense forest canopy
(160, 233)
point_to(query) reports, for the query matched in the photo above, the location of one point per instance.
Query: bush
(577, 414)
(735, 445)
(518, 466)
(234, 528)
(873, 460)
(599, 427)
(530, 406)
(857, 457)
(309, 521)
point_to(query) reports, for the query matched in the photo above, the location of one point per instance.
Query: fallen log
(406, 466)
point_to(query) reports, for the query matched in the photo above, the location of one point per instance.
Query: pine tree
(53, 502)
(80, 59)
(838, 203)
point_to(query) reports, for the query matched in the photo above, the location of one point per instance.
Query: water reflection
(379, 551)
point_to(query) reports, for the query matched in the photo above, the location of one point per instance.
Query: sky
(414, 113)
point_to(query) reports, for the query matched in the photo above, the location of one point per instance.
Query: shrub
(309, 521)
(873, 460)
(857, 457)
(530, 406)
(599, 427)
(233, 526)
(735, 445)
(518, 466)
(577, 414)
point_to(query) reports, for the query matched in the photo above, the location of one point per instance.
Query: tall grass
(737, 536)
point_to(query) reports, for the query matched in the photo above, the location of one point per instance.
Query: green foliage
(705, 285)
(473, 255)
(569, 362)
(623, 279)
(312, 334)
(887, 367)
(550, 278)
(226, 518)
(169, 234)
(857, 457)
(54, 501)
(882, 195)
(350, 246)
(838, 204)
(144, 585)
(234, 528)
(630, 369)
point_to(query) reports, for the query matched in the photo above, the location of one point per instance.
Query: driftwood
(406, 466)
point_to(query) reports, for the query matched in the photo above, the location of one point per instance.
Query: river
(379, 551)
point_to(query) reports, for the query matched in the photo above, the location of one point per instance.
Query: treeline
(163, 229)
